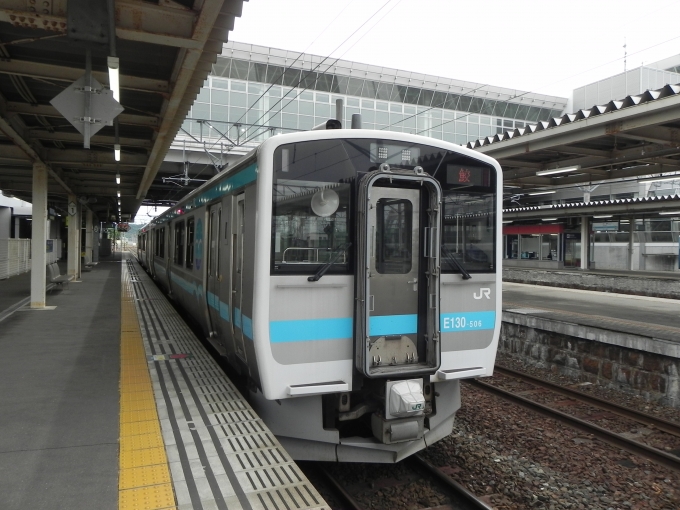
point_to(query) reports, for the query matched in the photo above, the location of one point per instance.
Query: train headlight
(405, 398)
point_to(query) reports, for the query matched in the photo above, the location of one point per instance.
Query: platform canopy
(636, 138)
(165, 49)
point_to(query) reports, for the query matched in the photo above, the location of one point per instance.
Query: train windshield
(314, 193)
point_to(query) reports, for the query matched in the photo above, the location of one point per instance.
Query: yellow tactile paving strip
(144, 480)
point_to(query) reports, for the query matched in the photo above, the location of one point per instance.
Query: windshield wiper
(452, 260)
(335, 255)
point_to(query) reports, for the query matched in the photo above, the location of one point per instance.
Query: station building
(255, 92)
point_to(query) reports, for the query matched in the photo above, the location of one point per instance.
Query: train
(351, 277)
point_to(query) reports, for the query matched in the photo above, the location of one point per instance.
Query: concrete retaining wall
(654, 373)
(641, 286)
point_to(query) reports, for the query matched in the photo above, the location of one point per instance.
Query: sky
(542, 46)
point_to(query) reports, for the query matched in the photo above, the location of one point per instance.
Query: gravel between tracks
(522, 460)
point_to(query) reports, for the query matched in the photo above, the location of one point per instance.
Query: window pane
(257, 72)
(323, 110)
(425, 98)
(394, 236)
(383, 91)
(369, 89)
(354, 86)
(238, 99)
(274, 74)
(412, 95)
(306, 108)
(291, 78)
(324, 82)
(239, 69)
(220, 97)
(469, 231)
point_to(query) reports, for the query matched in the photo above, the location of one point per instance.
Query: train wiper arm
(335, 255)
(452, 260)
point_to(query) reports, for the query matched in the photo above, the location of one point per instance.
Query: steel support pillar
(39, 236)
(585, 242)
(89, 241)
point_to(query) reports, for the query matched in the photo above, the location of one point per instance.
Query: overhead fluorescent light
(509, 221)
(604, 216)
(541, 193)
(670, 213)
(114, 77)
(549, 219)
(117, 178)
(119, 194)
(663, 179)
(116, 151)
(564, 170)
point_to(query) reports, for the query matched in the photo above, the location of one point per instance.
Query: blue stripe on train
(311, 329)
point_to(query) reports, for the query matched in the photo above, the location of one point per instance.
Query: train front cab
(364, 362)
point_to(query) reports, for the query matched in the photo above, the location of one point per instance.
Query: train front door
(237, 276)
(400, 259)
(214, 270)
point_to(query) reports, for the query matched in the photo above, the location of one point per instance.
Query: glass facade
(244, 101)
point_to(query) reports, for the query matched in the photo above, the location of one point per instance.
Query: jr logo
(483, 292)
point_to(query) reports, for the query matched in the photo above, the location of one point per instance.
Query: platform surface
(59, 399)
(109, 401)
(640, 315)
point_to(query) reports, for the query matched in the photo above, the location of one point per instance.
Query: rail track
(460, 497)
(635, 447)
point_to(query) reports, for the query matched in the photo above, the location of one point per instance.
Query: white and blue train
(352, 276)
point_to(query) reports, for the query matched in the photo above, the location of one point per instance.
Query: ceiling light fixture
(663, 179)
(116, 151)
(549, 219)
(564, 170)
(119, 194)
(670, 213)
(541, 193)
(117, 178)
(114, 77)
(604, 216)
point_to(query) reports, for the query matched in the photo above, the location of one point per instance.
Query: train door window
(190, 243)
(394, 236)
(178, 257)
(161, 242)
(156, 239)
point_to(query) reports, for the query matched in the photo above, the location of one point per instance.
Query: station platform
(110, 401)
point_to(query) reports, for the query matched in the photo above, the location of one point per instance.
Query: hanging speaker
(325, 202)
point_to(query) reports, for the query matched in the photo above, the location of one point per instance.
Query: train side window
(161, 243)
(179, 243)
(190, 244)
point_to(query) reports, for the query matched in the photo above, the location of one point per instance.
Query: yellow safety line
(144, 479)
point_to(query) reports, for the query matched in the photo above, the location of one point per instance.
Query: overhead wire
(296, 59)
(324, 60)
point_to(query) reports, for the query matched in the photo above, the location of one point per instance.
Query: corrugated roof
(602, 203)
(568, 118)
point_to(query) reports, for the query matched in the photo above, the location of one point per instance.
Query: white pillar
(39, 236)
(88, 237)
(73, 235)
(631, 236)
(585, 241)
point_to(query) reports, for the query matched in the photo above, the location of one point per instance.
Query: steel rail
(642, 450)
(340, 490)
(658, 423)
(450, 483)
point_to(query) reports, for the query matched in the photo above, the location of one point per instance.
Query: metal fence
(15, 255)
